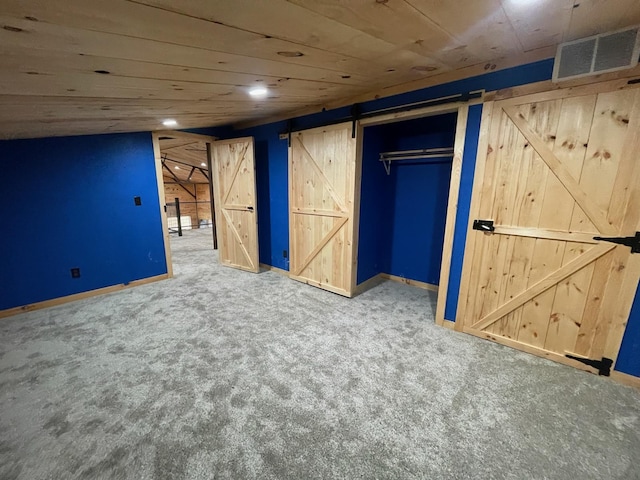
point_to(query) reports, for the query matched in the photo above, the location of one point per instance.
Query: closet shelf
(387, 157)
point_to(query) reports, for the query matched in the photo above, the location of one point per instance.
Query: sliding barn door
(234, 187)
(560, 176)
(323, 174)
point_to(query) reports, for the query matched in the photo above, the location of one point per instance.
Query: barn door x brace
(633, 242)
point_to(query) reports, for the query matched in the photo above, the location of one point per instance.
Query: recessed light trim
(177, 167)
(203, 164)
(258, 92)
(291, 54)
(425, 68)
(169, 122)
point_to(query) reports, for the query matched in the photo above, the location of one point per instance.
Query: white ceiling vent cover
(598, 54)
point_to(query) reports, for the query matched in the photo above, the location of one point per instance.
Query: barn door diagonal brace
(633, 242)
(603, 366)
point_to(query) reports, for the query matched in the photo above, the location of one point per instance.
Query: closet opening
(408, 197)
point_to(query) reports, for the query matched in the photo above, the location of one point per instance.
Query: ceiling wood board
(195, 60)
(600, 16)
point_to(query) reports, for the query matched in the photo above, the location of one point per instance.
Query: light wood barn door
(234, 187)
(323, 177)
(561, 168)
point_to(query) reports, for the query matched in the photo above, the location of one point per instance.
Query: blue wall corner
(374, 235)
(70, 203)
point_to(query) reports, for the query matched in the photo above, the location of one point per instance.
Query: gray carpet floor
(224, 374)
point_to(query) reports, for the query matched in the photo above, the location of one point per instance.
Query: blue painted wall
(376, 207)
(629, 357)
(402, 215)
(68, 202)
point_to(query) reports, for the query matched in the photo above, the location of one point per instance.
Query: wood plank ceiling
(95, 66)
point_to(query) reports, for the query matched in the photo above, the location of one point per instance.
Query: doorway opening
(185, 185)
(409, 188)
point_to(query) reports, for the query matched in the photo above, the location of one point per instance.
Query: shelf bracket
(387, 165)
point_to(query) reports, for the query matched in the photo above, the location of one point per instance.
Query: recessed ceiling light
(425, 68)
(291, 54)
(203, 164)
(258, 92)
(170, 122)
(177, 167)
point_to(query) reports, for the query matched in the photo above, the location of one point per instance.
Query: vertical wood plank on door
(507, 209)
(600, 176)
(452, 209)
(487, 145)
(605, 146)
(571, 143)
(624, 213)
(353, 232)
(546, 254)
(499, 207)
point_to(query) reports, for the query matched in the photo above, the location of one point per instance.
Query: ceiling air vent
(598, 54)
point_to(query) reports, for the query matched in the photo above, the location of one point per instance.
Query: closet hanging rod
(422, 151)
(387, 157)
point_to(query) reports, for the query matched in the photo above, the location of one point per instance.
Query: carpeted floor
(230, 375)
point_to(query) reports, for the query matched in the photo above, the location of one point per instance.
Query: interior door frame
(462, 109)
(196, 137)
(540, 92)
